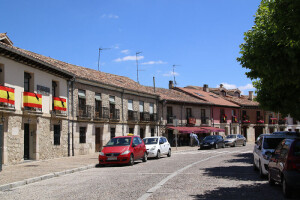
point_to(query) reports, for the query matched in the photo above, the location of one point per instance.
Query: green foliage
(272, 53)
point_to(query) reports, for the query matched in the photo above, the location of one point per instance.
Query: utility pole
(100, 49)
(174, 74)
(137, 66)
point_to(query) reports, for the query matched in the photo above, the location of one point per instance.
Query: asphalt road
(204, 174)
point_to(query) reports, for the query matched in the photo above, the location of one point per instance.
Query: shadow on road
(242, 158)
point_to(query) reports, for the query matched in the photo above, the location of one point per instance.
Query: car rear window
(125, 141)
(271, 143)
(150, 140)
(297, 149)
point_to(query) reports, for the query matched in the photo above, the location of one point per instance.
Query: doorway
(98, 140)
(244, 132)
(258, 131)
(142, 133)
(26, 141)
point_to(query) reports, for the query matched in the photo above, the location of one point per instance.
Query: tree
(271, 52)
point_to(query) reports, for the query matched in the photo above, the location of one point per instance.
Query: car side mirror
(161, 142)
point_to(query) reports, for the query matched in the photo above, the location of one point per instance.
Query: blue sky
(201, 36)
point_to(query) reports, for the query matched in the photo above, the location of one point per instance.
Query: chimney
(205, 88)
(251, 95)
(221, 85)
(171, 85)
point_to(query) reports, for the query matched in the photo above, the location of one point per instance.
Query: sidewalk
(32, 171)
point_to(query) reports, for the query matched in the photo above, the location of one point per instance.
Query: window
(223, 93)
(82, 135)
(98, 105)
(1, 74)
(237, 94)
(141, 107)
(203, 116)
(112, 133)
(135, 141)
(199, 94)
(27, 84)
(55, 89)
(56, 134)
(130, 104)
(112, 106)
(188, 113)
(131, 130)
(151, 108)
(81, 98)
(233, 113)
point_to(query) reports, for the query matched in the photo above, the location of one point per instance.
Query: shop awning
(213, 129)
(184, 129)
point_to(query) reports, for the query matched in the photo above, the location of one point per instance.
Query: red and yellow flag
(60, 104)
(32, 100)
(7, 95)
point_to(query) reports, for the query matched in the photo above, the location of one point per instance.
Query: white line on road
(161, 183)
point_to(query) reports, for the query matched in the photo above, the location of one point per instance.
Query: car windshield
(211, 137)
(231, 136)
(297, 149)
(150, 140)
(124, 141)
(271, 143)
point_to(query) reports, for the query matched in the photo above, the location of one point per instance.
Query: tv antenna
(100, 49)
(174, 74)
(137, 65)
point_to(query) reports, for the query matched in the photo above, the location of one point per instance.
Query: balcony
(102, 113)
(272, 120)
(234, 119)
(281, 121)
(153, 117)
(32, 101)
(144, 117)
(170, 119)
(260, 120)
(7, 97)
(59, 106)
(245, 119)
(132, 116)
(223, 119)
(114, 115)
(84, 111)
(204, 120)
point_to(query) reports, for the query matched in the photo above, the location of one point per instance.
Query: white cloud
(126, 58)
(154, 62)
(228, 86)
(110, 16)
(170, 73)
(125, 51)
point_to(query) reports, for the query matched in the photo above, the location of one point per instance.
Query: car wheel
(271, 181)
(223, 146)
(216, 146)
(158, 154)
(244, 144)
(286, 189)
(169, 153)
(145, 157)
(131, 160)
(260, 171)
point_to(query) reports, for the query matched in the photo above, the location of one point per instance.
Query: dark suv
(212, 141)
(284, 166)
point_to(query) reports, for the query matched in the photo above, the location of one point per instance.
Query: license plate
(111, 158)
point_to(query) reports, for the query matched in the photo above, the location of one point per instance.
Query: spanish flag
(7, 95)
(32, 100)
(60, 104)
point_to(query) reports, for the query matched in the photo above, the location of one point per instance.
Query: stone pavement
(32, 171)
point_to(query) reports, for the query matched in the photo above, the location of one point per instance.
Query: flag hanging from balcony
(32, 100)
(7, 95)
(60, 104)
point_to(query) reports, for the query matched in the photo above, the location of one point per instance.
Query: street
(203, 174)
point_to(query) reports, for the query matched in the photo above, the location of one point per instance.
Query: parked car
(212, 141)
(235, 139)
(123, 150)
(157, 146)
(284, 166)
(263, 149)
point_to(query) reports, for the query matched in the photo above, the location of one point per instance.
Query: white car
(157, 146)
(263, 149)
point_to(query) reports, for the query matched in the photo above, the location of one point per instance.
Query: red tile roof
(207, 96)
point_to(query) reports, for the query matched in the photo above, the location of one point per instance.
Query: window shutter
(112, 99)
(98, 97)
(130, 106)
(151, 109)
(141, 106)
(81, 93)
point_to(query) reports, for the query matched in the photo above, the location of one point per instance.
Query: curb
(43, 177)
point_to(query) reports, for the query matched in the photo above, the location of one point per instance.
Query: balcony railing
(7, 97)
(204, 120)
(223, 119)
(170, 119)
(245, 119)
(59, 106)
(234, 119)
(132, 115)
(260, 120)
(144, 117)
(114, 115)
(102, 113)
(281, 121)
(153, 117)
(272, 120)
(32, 101)
(84, 111)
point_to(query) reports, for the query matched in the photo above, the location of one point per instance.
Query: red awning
(184, 129)
(273, 118)
(213, 129)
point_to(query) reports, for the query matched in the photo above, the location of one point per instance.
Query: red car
(123, 150)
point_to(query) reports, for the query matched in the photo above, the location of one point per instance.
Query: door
(136, 149)
(26, 141)
(258, 131)
(142, 133)
(1, 145)
(162, 146)
(98, 140)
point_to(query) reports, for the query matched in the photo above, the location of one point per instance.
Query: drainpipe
(123, 120)
(72, 99)
(68, 97)
(157, 113)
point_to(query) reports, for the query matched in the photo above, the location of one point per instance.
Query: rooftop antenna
(137, 65)
(100, 49)
(174, 74)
